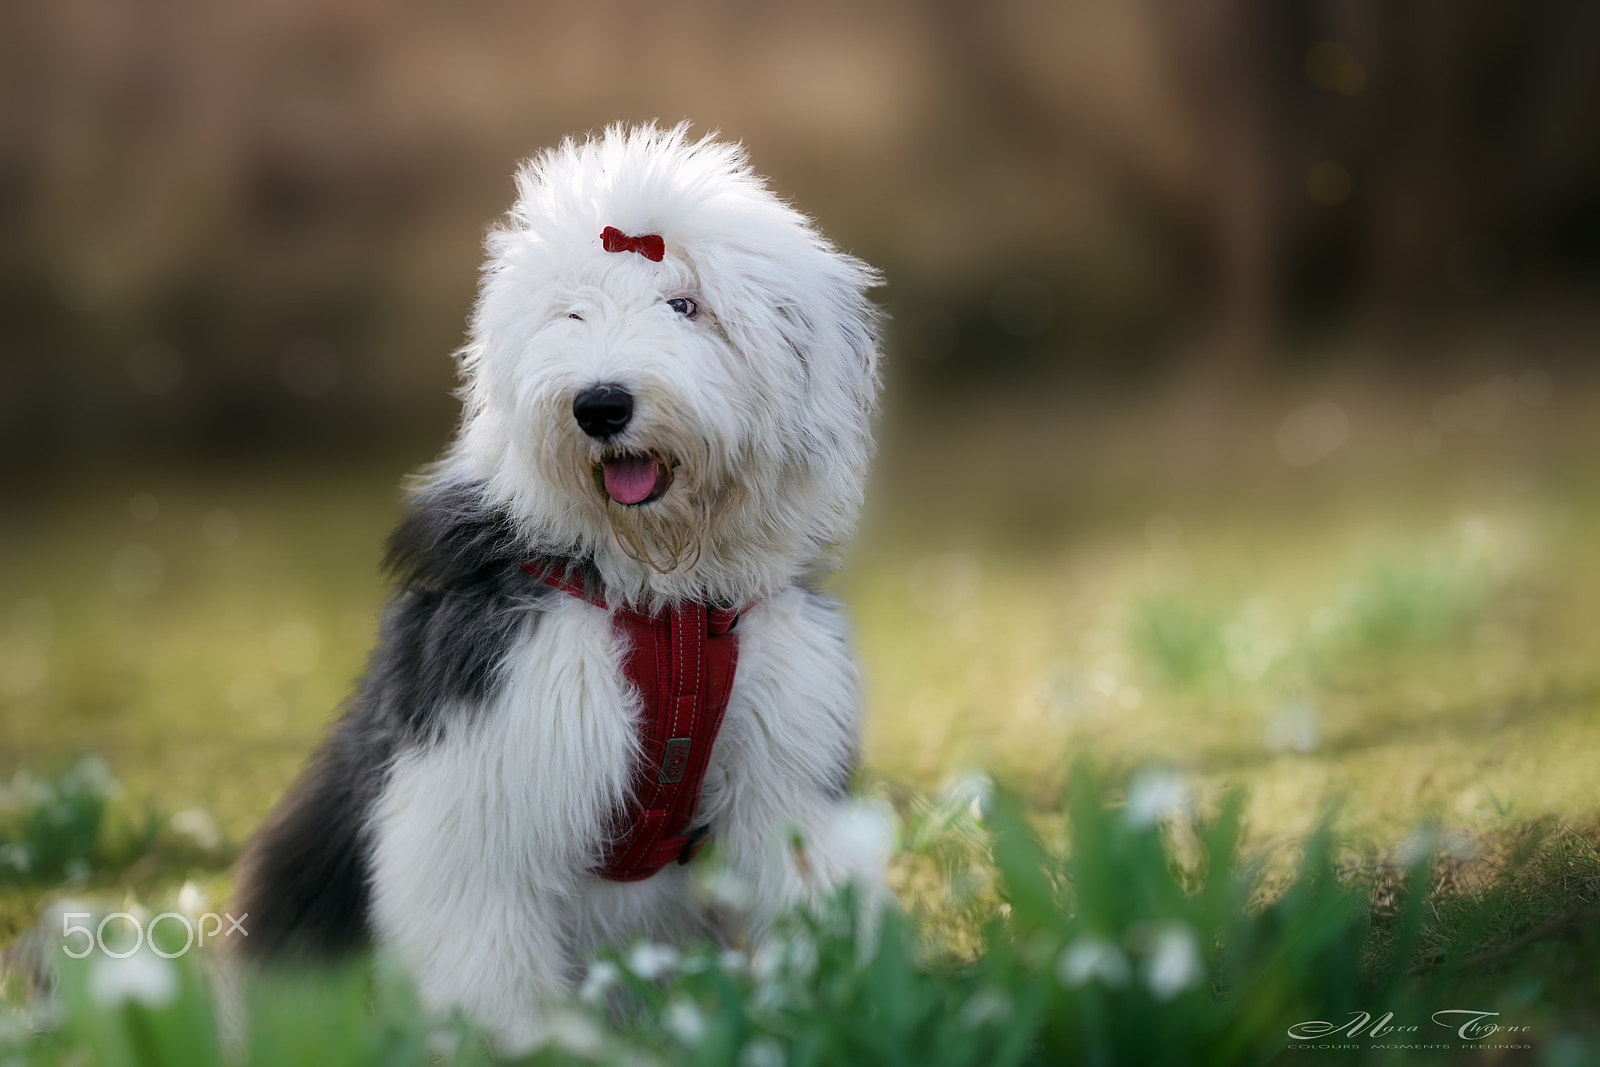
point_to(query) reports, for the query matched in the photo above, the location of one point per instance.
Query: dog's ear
(835, 330)
(860, 322)
(842, 318)
(798, 312)
(802, 299)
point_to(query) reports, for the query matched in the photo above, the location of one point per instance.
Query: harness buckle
(697, 837)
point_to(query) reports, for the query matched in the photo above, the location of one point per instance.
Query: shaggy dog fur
(455, 813)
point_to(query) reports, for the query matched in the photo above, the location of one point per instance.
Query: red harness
(681, 662)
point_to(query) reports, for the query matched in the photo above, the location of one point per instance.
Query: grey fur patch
(304, 886)
(462, 597)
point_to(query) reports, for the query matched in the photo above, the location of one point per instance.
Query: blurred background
(246, 229)
(1241, 412)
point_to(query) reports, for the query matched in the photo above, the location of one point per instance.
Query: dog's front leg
(475, 927)
(787, 750)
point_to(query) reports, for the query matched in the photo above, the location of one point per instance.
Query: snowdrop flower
(762, 1052)
(444, 1043)
(603, 974)
(1091, 956)
(767, 960)
(985, 1006)
(863, 836)
(143, 977)
(1418, 846)
(1156, 794)
(725, 886)
(95, 773)
(1293, 728)
(650, 961)
(803, 953)
(18, 856)
(971, 792)
(191, 900)
(198, 826)
(1174, 962)
(13, 1032)
(685, 1021)
(574, 1032)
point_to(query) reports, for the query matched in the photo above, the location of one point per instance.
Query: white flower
(574, 1032)
(732, 961)
(1293, 727)
(198, 825)
(724, 886)
(1156, 794)
(685, 1021)
(862, 838)
(444, 1043)
(802, 953)
(191, 900)
(762, 1052)
(971, 792)
(650, 961)
(1174, 962)
(143, 977)
(767, 960)
(94, 773)
(1091, 956)
(603, 974)
(1418, 846)
(985, 1006)
(18, 856)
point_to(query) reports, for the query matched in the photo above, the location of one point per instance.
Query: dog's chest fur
(523, 783)
(496, 823)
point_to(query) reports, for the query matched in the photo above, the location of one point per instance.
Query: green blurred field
(1414, 635)
(1411, 633)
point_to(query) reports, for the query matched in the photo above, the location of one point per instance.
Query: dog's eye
(574, 315)
(683, 306)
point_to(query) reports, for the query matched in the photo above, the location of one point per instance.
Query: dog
(669, 385)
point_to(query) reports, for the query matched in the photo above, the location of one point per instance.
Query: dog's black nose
(603, 410)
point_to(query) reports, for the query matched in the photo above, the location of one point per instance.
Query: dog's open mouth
(634, 479)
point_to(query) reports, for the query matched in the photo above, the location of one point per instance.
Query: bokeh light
(1329, 183)
(137, 570)
(1329, 65)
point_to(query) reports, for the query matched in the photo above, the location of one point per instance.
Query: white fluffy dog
(668, 391)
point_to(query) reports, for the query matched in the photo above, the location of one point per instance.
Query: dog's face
(698, 424)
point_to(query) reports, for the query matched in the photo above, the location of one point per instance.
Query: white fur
(483, 840)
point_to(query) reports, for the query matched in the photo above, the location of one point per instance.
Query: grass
(1419, 645)
(1148, 941)
(1407, 636)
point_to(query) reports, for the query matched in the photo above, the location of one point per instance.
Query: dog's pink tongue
(633, 478)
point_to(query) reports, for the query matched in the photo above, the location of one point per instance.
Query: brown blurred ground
(251, 228)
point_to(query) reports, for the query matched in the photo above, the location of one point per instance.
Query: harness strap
(681, 663)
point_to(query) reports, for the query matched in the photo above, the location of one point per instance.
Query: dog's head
(687, 399)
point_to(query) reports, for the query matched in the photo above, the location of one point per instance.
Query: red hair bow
(650, 245)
